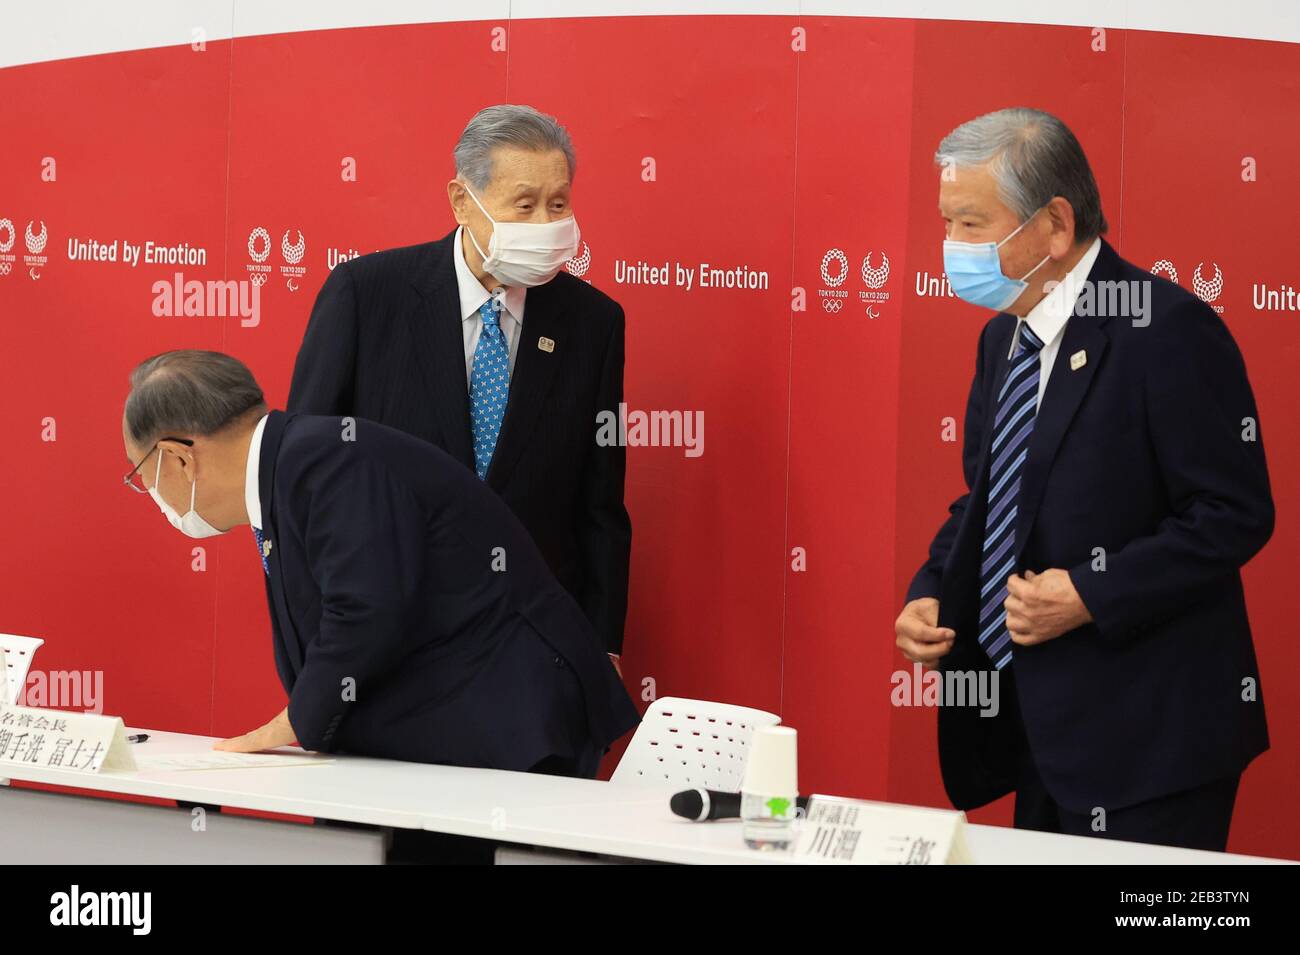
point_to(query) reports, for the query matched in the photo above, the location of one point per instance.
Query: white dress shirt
(252, 494)
(1049, 316)
(472, 297)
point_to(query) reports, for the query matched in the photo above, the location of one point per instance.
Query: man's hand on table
(278, 732)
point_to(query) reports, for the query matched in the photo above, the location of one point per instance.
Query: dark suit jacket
(1140, 452)
(384, 576)
(384, 342)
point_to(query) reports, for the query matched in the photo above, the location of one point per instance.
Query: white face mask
(190, 524)
(527, 253)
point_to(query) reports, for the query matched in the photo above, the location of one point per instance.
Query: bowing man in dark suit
(413, 617)
(1117, 484)
(481, 344)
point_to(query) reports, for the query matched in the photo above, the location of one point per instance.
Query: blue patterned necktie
(261, 549)
(489, 387)
(1012, 427)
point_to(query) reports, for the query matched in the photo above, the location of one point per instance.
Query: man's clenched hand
(1041, 607)
(919, 635)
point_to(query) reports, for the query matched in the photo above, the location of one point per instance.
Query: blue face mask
(975, 271)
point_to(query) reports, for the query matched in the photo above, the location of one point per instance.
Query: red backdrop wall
(824, 429)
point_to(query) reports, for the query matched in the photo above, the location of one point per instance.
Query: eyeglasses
(132, 478)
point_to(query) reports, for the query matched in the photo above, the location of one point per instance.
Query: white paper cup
(773, 767)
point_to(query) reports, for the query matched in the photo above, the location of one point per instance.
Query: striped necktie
(1013, 425)
(489, 387)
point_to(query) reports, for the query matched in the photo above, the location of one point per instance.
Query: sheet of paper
(172, 762)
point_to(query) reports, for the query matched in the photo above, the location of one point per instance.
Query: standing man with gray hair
(1116, 485)
(481, 344)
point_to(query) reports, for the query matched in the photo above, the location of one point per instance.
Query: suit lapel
(534, 371)
(1066, 389)
(272, 435)
(440, 343)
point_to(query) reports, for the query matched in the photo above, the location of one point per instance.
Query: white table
(364, 798)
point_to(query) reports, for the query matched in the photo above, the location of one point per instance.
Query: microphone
(705, 805)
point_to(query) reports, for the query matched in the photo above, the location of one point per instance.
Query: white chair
(15, 660)
(685, 743)
(692, 743)
(16, 657)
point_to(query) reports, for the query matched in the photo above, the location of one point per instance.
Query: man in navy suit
(483, 344)
(1117, 484)
(413, 617)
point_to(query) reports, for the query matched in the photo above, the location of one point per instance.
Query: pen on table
(137, 738)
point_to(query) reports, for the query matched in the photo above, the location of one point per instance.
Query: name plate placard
(57, 739)
(857, 831)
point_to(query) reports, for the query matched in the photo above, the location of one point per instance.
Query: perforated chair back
(16, 657)
(690, 743)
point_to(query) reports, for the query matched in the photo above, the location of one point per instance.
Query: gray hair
(1033, 157)
(507, 125)
(188, 392)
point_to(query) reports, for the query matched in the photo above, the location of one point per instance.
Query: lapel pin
(1078, 360)
(546, 344)
(266, 548)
